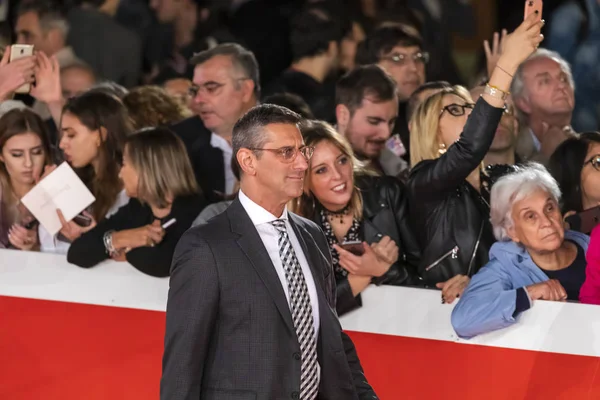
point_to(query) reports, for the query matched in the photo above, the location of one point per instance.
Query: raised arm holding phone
(447, 210)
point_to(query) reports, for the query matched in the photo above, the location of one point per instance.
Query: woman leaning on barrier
(351, 205)
(165, 199)
(534, 258)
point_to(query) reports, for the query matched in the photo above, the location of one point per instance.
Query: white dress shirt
(269, 235)
(222, 144)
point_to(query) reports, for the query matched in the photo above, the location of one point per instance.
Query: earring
(442, 148)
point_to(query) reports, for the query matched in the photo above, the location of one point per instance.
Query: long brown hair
(164, 170)
(17, 122)
(313, 133)
(97, 110)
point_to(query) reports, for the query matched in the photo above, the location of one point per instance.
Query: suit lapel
(251, 244)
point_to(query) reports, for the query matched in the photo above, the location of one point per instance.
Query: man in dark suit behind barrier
(251, 303)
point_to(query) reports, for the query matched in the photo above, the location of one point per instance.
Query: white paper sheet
(60, 190)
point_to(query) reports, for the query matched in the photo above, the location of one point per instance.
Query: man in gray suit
(251, 309)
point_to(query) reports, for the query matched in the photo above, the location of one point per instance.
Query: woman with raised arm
(450, 137)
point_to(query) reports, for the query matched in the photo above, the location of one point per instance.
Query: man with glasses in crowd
(225, 86)
(251, 307)
(399, 51)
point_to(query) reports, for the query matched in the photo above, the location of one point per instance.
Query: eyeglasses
(402, 59)
(289, 153)
(595, 161)
(209, 87)
(457, 110)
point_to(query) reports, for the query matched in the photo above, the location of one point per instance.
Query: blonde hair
(164, 170)
(315, 132)
(425, 124)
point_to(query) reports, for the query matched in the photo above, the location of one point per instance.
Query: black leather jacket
(446, 212)
(384, 214)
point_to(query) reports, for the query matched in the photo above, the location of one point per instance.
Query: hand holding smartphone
(354, 247)
(18, 51)
(534, 7)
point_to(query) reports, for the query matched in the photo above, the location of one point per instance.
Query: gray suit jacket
(229, 333)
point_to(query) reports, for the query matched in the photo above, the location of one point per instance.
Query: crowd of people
(415, 178)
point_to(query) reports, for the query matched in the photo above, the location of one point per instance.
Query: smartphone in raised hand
(533, 7)
(19, 51)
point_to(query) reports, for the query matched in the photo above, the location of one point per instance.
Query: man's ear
(523, 104)
(54, 36)
(333, 50)
(247, 161)
(342, 116)
(103, 133)
(248, 86)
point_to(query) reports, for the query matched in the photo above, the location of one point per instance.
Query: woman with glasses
(450, 137)
(575, 164)
(363, 217)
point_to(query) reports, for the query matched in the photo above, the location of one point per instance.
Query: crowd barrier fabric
(70, 333)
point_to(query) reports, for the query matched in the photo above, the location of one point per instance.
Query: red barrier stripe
(54, 350)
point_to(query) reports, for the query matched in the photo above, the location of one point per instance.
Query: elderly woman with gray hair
(534, 258)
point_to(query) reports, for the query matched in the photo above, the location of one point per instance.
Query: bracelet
(108, 243)
(503, 70)
(495, 92)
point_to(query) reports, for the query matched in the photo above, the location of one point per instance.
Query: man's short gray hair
(514, 187)
(242, 59)
(517, 87)
(49, 15)
(249, 131)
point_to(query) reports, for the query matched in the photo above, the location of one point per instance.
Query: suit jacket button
(295, 395)
(297, 356)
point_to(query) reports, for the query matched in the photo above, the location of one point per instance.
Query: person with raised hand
(15, 74)
(450, 137)
(47, 87)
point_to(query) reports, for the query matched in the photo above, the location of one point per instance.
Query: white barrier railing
(553, 327)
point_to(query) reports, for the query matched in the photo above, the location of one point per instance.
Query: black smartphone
(31, 224)
(82, 220)
(585, 221)
(355, 247)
